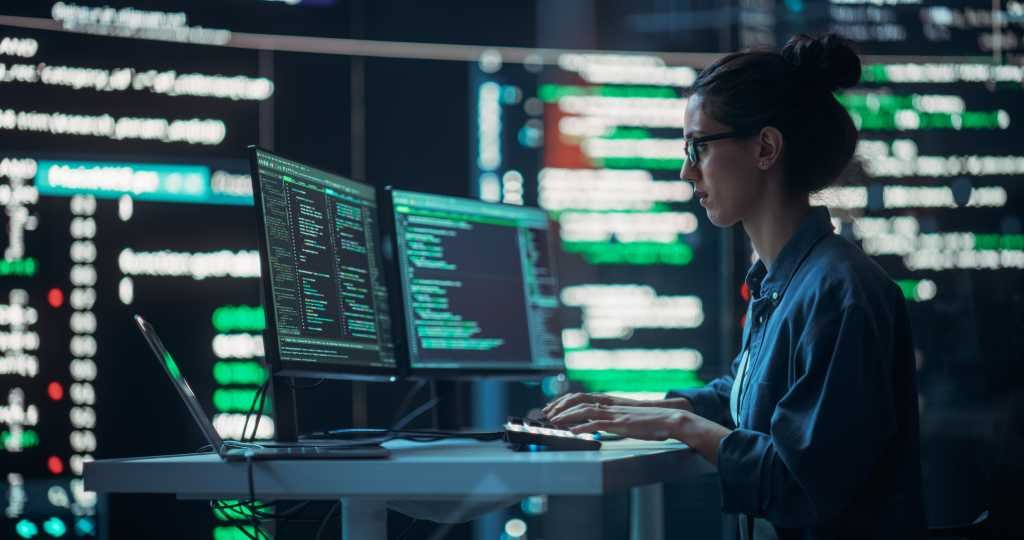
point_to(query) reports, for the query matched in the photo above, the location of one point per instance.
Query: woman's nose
(689, 172)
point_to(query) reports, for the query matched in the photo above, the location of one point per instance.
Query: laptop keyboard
(311, 451)
(299, 450)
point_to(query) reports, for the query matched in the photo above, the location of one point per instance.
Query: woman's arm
(828, 433)
(702, 435)
(647, 423)
(681, 403)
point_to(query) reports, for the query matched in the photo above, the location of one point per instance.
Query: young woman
(815, 430)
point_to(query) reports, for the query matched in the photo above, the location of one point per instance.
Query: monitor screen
(326, 299)
(478, 289)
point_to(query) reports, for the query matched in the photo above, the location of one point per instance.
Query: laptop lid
(165, 359)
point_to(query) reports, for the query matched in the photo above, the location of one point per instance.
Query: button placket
(761, 309)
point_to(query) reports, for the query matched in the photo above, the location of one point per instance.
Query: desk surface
(441, 470)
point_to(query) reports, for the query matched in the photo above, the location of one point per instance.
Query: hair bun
(825, 62)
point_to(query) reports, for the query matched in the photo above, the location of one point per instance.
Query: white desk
(467, 474)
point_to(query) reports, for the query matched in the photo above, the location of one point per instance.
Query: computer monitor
(474, 287)
(325, 298)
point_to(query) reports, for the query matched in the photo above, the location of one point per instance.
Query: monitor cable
(259, 413)
(327, 518)
(256, 400)
(407, 400)
(291, 383)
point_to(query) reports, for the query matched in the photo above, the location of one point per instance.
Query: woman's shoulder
(838, 271)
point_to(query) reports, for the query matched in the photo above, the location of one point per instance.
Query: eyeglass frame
(692, 142)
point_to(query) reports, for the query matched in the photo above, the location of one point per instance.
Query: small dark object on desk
(419, 435)
(258, 452)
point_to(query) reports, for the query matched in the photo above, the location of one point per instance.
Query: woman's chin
(718, 220)
(712, 217)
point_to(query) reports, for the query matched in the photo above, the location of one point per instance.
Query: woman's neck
(773, 222)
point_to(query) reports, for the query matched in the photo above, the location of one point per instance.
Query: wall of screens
(596, 141)
(933, 195)
(124, 191)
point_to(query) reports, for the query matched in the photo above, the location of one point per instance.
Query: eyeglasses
(691, 143)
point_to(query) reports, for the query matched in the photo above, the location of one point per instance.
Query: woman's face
(726, 179)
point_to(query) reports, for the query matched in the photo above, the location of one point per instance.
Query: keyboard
(524, 434)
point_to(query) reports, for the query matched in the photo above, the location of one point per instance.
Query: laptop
(262, 450)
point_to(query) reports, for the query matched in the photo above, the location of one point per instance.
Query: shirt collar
(772, 283)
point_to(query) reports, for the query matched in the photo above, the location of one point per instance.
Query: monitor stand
(471, 407)
(287, 419)
(449, 415)
(286, 422)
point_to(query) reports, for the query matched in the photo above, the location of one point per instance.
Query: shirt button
(761, 319)
(775, 295)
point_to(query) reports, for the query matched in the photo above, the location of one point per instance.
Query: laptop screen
(180, 384)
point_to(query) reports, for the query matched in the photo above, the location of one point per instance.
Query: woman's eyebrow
(692, 134)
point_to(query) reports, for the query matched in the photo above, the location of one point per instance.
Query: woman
(815, 430)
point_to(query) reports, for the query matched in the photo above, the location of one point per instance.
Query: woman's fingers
(565, 414)
(567, 402)
(582, 412)
(556, 404)
(594, 425)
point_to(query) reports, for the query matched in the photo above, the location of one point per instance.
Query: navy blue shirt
(827, 443)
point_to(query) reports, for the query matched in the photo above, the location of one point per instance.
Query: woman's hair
(790, 90)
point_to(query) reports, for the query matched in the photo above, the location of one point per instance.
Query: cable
(323, 524)
(401, 536)
(252, 407)
(291, 383)
(259, 414)
(249, 535)
(234, 511)
(385, 435)
(222, 505)
(252, 493)
(407, 400)
(261, 397)
(414, 414)
(433, 434)
(255, 399)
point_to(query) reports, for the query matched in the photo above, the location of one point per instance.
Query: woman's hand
(569, 401)
(648, 423)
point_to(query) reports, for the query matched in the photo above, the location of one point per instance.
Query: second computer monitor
(478, 295)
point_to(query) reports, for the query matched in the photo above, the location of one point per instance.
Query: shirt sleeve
(828, 432)
(712, 400)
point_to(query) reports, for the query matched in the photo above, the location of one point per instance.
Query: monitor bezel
(282, 368)
(400, 331)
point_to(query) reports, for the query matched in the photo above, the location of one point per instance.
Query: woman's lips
(701, 195)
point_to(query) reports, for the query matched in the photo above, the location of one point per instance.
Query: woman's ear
(769, 148)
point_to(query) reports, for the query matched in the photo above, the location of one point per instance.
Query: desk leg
(363, 519)
(646, 513)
